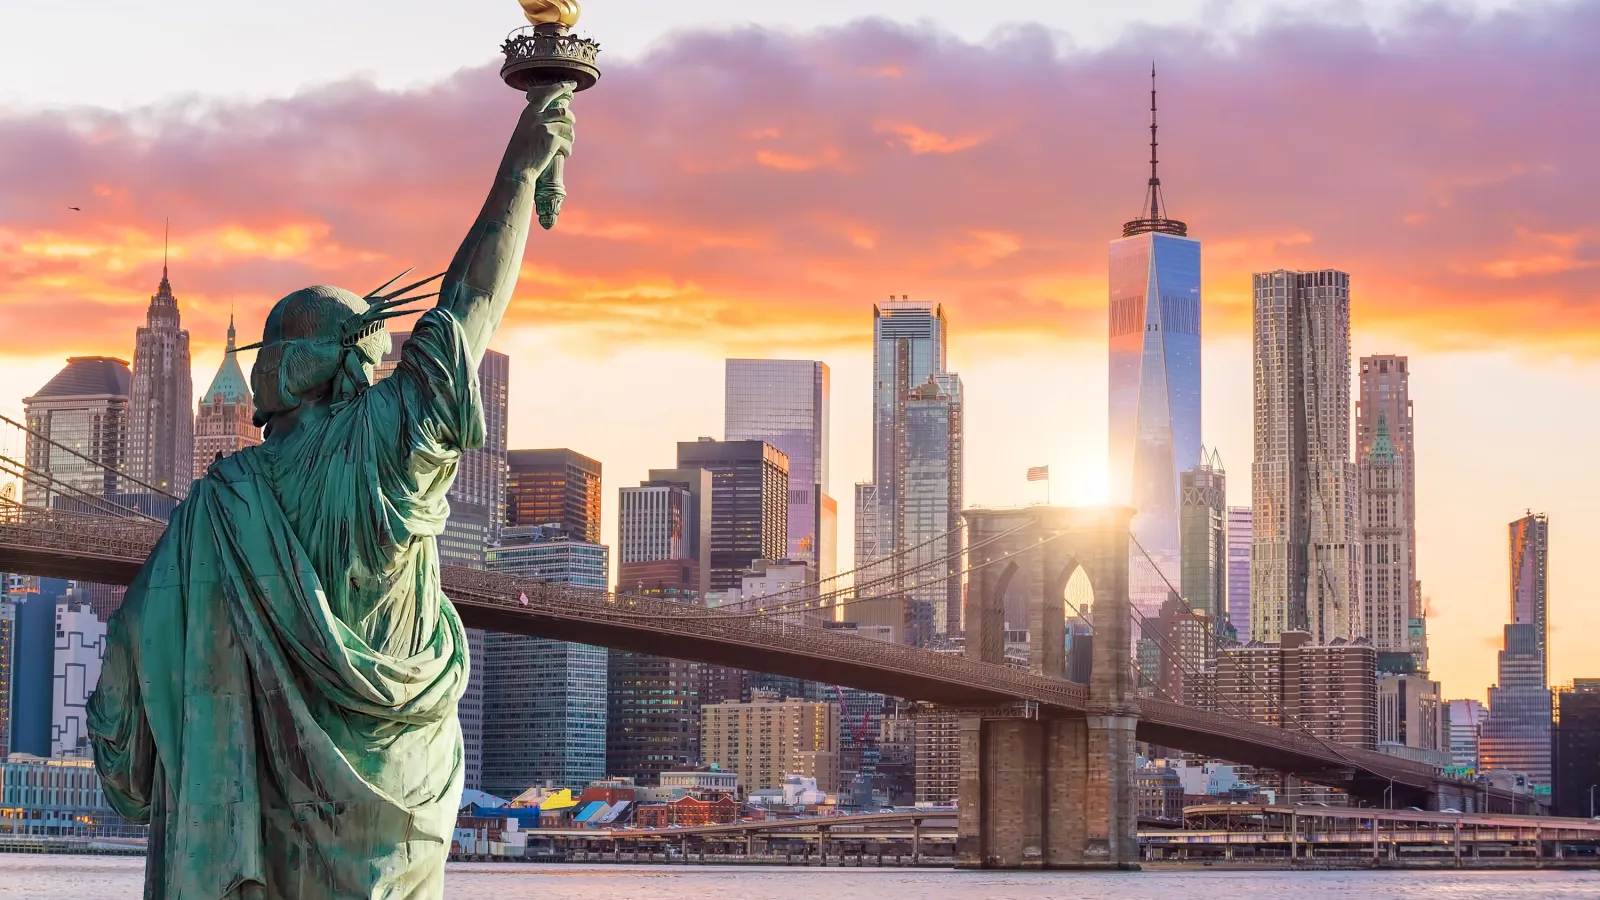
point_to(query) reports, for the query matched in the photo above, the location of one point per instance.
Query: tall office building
(785, 403)
(1412, 714)
(1530, 586)
(1154, 375)
(1203, 517)
(84, 408)
(1386, 396)
(917, 461)
(659, 537)
(866, 542)
(1240, 538)
(1463, 719)
(931, 490)
(1305, 568)
(1575, 750)
(908, 347)
(1515, 735)
(1388, 587)
(547, 486)
(653, 702)
(32, 663)
(544, 702)
(161, 408)
(477, 519)
(10, 586)
(864, 607)
(749, 503)
(224, 424)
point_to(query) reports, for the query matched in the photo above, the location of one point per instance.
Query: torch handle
(550, 192)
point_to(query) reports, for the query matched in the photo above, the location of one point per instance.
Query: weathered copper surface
(279, 694)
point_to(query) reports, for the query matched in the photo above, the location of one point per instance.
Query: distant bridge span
(57, 544)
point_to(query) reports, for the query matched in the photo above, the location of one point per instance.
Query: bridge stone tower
(1056, 792)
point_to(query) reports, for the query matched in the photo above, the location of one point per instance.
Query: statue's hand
(548, 122)
(547, 125)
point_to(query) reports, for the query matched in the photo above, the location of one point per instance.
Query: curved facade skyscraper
(1154, 381)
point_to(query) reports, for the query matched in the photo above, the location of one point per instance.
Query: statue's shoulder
(240, 465)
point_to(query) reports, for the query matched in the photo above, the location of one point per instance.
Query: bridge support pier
(1051, 793)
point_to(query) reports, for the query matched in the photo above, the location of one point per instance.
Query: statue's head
(322, 341)
(304, 349)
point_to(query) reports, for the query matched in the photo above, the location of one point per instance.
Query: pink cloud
(756, 182)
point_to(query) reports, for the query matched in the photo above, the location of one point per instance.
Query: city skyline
(991, 373)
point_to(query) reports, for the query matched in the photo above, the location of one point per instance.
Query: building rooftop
(88, 376)
(229, 384)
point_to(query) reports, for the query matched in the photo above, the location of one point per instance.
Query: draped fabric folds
(278, 697)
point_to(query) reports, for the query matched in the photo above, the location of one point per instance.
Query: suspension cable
(1283, 714)
(47, 482)
(95, 462)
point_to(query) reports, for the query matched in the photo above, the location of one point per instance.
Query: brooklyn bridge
(1046, 778)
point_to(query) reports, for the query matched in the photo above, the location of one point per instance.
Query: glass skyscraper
(785, 403)
(1530, 599)
(1239, 539)
(1205, 551)
(917, 469)
(1154, 377)
(84, 407)
(1516, 733)
(931, 507)
(908, 347)
(544, 708)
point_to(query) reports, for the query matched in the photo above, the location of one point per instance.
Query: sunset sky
(750, 177)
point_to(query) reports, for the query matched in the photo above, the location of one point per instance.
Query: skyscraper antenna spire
(166, 227)
(1155, 180)
(1152, 217)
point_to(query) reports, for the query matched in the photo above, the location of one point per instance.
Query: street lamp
(1388, 795)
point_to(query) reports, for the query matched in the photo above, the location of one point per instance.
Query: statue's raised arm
(483, 274)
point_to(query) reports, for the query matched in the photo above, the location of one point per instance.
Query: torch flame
(551, 12)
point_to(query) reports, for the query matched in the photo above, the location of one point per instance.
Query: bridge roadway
(51, 543)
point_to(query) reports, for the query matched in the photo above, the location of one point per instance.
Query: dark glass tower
(749, 503)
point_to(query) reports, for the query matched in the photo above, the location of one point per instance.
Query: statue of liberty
(279, 692)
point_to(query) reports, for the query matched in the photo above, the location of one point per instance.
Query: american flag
(1038, 473)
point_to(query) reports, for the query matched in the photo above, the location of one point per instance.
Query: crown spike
(382, 287)
(375, 296)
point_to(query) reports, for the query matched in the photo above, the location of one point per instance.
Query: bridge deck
(65, 545)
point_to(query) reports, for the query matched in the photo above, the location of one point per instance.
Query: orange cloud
(920, 140)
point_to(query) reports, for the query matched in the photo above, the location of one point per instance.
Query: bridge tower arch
(1053, 792)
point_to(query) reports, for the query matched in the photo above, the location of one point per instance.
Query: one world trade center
(1154, 376)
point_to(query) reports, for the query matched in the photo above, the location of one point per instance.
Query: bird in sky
(75, 209)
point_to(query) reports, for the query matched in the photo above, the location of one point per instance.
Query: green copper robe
(279, 692)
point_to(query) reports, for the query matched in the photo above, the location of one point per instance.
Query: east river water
(121, 878)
